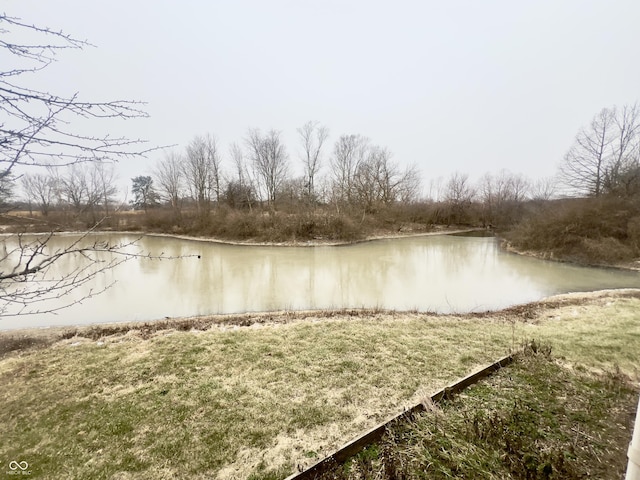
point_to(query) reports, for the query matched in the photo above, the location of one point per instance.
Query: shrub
(595, 230)
(605, 250)
(633, 233)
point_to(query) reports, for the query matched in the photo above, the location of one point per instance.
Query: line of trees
(494, 200)
(355, 175)
(350, 175)
(81, 188)
(603, 161)
(358, 174)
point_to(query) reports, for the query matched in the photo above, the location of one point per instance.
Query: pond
(440, 273)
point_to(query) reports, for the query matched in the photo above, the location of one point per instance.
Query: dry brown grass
(230, 401)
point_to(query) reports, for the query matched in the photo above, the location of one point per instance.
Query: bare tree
(242, 190)
(74, 186)
(201, 171)
(313, 137)
(544, 188)
(378, 181)
(365, 190)
(237, 156)
(270, 161)
(364, 175)
(604, 153)
(409, 185)
(87, 187)
(103, 187)
(458, 196)
(621, 176)
(394, 184)
(37, 130)
(170, 177)
(214, 158)
(502, 197)
(349, 152)
(585, 163)
(40, 188)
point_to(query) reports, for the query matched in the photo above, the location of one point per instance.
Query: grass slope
(239, 402)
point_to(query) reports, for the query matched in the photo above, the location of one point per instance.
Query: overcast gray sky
(464, 86)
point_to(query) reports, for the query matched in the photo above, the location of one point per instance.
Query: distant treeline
(589, 212)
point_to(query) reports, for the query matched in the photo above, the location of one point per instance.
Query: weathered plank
(355, 446)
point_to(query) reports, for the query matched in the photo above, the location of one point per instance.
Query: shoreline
(316, 242)
(250, 243)
(502, 242)
(548, 256)
(21, 339)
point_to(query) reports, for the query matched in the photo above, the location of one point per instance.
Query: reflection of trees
(46, 273)
(387, 274)
(196, 284)
(363, 273)
(456, 254)
(428, 273)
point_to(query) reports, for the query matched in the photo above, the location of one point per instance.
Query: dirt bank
(21, 339)
(507, 246)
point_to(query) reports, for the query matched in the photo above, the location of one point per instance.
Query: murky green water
(435, 273)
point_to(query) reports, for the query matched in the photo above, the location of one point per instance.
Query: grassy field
(261, 400)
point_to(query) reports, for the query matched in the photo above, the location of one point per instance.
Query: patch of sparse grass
(11, 342)
(535, 419)
(232, 402)
(598, 336)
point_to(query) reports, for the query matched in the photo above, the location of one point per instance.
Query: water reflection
(440, 273)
